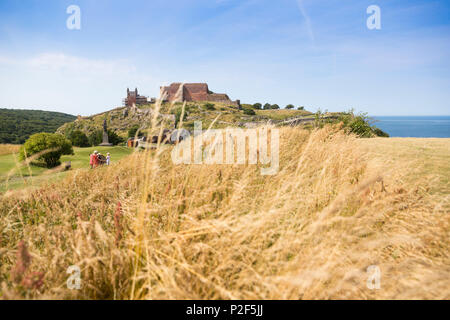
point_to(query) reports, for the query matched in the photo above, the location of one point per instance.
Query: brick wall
(192, 92)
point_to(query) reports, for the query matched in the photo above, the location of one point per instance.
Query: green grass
(81, 157)
(282, 114)
(13, 175)
(229, 115)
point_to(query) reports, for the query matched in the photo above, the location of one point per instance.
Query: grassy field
(425, 157)
(145, 228)
(9, 148)
(14, 175)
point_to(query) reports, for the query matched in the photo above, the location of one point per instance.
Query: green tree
(16, 126)
(48, 147)
(114, 138)
(267, 106)
(257, 106)
(290, 106)
(79, 139)
(301, 108)
(249, 112)
(132, 131)
(96, 137)
(275, 106)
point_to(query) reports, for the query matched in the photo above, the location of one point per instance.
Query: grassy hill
(121, 119)
(145, 228)
(219, 115)
(17, 125)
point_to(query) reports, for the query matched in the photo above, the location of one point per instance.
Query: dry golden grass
(147, 229)
(9, 148)
(425, 158)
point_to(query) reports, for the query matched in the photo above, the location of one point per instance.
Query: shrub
(301, 108)
(210, 106)
(290, 106)
(257, 106)
(178, 113)
(274, 106)
(360, 125)
(380, 133)
(114, 138)
(50, 146)
(132, 131)
(249, 112)
(267, 106)
(96, 137)
(79, 139)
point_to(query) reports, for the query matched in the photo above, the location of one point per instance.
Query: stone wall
(178, 92)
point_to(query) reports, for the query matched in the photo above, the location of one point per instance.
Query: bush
(274, 106)
(257, 106)
(114, 138)
(249, 112)
(132, 131)
(290, 106)
(96, 137)
(210, 106)
(360, 125)
(177, 113)
(267, 106)
(51, 146)
(380, 133)
(79, 139)
(301, 108)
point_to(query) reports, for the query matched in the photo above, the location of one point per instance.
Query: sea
(414, 126)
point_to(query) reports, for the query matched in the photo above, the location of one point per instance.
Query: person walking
(108, 159)
(96, 159)
(92, 158)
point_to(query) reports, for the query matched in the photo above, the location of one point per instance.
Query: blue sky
(315, 53)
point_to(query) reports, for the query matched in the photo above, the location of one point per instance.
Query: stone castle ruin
(180, 92)
(133, 98)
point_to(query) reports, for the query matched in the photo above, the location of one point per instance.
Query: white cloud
(66, 83)
(307, 20)
(67, 63)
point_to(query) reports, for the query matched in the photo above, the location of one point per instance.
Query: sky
(314, 53)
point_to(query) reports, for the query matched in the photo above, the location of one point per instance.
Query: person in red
(93, 160)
